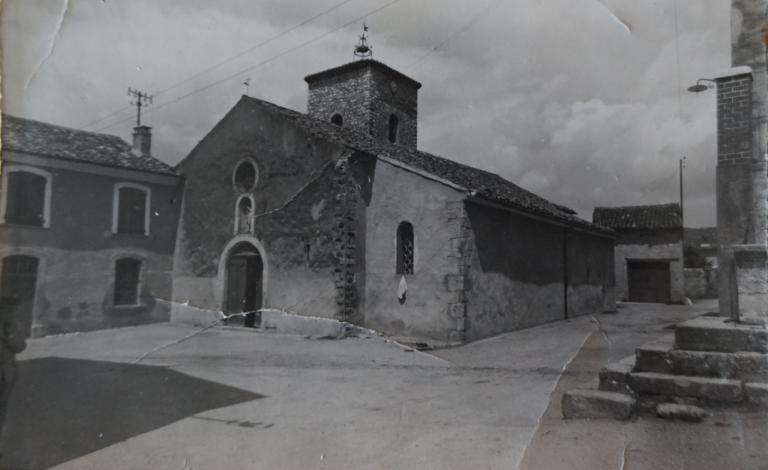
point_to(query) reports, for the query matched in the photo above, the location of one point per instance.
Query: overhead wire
(231, 58)
(474, 20)
(262, 63)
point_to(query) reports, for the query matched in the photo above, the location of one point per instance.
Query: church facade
(336, 213)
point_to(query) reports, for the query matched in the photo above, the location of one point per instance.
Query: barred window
(127, 272)
(405, 248)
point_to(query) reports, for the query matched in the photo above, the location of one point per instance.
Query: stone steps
(719, 334)
(597, 404)
(707, 389)
(662, 357)
(709, 362)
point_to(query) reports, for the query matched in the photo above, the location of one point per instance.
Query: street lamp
(699, 87)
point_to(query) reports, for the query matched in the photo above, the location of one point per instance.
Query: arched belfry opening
(244, 282)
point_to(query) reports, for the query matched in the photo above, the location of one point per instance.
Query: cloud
(557, 96)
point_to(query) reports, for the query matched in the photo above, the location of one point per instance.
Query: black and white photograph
(384, 234)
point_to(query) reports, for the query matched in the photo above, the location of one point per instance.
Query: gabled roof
(50, 140)
(479, 183)
(361, 64)
(652, 217)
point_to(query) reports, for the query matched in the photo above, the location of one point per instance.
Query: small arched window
(244, 214)
(394, 123)
(405, 248)
(337, 119)
(246, 176)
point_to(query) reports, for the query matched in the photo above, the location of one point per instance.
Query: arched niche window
(405, 248)
(130, 209)
(244, 211)
(127, 276)
(337, 119)
(394, 124)
(26, 196)
(246, 176)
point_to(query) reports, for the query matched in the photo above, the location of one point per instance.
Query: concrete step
(660, 356)
(615, 376)
(707, 389)
(720, 334)
(757, 394)
(589, 403)
(680, 412)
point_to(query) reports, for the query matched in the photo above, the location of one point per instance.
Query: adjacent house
(649, 251)
(87, 228)
(336, 213)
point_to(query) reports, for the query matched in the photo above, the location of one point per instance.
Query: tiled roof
(44, 139)
(479, 183)
(661, 216)
(359, 64)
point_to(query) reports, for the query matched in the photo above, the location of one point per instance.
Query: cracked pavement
(174, 396)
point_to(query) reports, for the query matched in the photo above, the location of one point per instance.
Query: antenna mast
(139, 99)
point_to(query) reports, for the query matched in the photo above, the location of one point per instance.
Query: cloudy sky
(580, 101)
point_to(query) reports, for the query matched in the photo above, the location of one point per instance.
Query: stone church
(336, 213)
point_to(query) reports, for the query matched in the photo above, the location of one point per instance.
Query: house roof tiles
(50, 140)
(650, 217)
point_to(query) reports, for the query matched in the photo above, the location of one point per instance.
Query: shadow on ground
(62, 409)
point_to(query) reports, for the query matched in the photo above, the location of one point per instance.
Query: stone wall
(701, 283)
(305, 224)
(365, 98)
(77, 253)
(590, 274)
(433, 298)
(347, 94)
(390, 95)
(518, 270)
(672, 252)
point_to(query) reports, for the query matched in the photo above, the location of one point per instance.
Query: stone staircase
(710, 362)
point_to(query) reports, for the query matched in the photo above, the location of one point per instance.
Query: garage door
(649, 281)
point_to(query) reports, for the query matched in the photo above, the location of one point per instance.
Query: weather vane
(139, 98)
(363, 50)
(247, 85)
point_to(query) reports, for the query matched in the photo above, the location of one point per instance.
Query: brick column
(741, 190)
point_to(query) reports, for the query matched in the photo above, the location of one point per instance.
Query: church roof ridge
(480, 183)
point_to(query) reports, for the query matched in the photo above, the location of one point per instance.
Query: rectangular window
(132, 207)
(25, 204)
(127, 281)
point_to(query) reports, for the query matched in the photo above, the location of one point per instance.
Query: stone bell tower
(368, 96)
(742, 178)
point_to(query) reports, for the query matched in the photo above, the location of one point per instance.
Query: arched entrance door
(18, 281)
(245, 275)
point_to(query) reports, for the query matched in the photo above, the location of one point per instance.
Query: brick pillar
(741, 189)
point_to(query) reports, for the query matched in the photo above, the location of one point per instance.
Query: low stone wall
(701, 283)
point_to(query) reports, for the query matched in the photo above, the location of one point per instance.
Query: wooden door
(649, 281)
(244, 283)
(18, 282)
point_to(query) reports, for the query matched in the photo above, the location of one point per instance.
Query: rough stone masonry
(742, 178)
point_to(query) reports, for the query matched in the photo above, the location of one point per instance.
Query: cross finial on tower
(363, 50)
(139, 98)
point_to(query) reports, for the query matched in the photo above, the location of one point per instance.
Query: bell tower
(368, 96)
